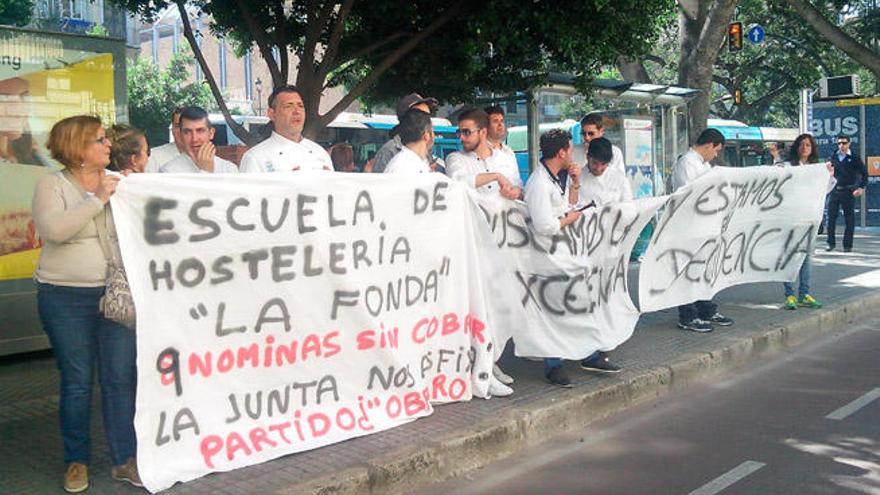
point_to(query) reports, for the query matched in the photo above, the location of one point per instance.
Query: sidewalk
(463, 436)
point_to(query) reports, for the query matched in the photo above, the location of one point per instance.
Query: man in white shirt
(496, 134)
(478, 165)
(592, 128)
(601, 184)
(200, 157)
(550, 193)
(286, 150)
(160, 155)
(393, 145)
(699, 316)
(417, 135)
(486, 170)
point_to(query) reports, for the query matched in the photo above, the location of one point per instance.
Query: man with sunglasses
(592, 128)
(477, 165)
(852, 177)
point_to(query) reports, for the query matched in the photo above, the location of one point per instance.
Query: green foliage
(154, 93)
(500, 45)
(98, 30)
(16, 12)
(771, 74)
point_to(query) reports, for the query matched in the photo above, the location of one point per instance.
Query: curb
(468, 449)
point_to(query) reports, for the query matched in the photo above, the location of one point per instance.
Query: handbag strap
(100, 220)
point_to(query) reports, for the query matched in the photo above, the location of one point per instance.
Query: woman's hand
(106, 186)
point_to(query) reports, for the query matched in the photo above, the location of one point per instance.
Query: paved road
(804, 423)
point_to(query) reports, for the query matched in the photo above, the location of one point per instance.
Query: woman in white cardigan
(69, 207)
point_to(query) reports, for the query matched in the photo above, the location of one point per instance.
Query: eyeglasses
(465, 132)
(841, 143)
(588, 133)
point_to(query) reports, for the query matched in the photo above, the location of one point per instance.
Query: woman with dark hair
(73, 217)
(128, 149)
(802, 152)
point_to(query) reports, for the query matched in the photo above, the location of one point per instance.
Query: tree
(770, 74)
(381, 49)
(837, 36)
(703, 32)
(154, 93)
(16, 12)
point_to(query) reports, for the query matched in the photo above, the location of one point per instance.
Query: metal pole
(862, 149)
(532, 129)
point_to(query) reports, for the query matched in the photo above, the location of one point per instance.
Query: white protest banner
(573, 286)
(732, 226)
(282, 312)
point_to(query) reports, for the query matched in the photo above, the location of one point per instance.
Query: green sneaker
(808, 302)
(790, 303)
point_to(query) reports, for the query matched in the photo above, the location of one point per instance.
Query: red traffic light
(735, 36)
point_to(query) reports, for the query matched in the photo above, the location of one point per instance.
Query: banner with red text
(573, 287)
(732, 226)
(282, 312)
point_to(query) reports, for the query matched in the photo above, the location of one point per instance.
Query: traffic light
(737, 97)
(735, 36)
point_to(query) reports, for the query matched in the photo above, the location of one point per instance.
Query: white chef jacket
(546, 201)
(161, 155)
(183, 164)
(688, 168)
(407, 162)
(610, 187)
(279, 154)
(466, 166)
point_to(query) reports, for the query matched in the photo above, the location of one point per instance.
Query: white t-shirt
(466, 166)
(279, 154)
(183, 164)
(161, 155)
(610, 187)
(546, 201)
(688, 168)
(407, 162)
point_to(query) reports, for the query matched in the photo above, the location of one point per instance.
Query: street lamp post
(258, 84)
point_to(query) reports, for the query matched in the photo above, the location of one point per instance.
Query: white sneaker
(501, 376)
(498, 389)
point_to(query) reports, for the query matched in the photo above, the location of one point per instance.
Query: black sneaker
(557, 376)
(600, 363)
(829, 248)
(847, 250)
(696, 325)
(720, 320)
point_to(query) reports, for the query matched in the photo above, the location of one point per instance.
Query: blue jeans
(803, 279)
(80, 338)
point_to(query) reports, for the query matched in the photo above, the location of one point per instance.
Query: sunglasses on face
(841, 143)
(465, 132)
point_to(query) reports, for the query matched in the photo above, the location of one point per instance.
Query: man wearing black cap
(393, 146)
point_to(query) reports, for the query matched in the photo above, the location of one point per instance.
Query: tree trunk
(839, 38)
(703, 30)
(633, 70)
(237, 128)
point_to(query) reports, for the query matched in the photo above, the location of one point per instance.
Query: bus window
(220, 137)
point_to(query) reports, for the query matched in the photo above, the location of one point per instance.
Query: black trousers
(697, 309)
(837, 200)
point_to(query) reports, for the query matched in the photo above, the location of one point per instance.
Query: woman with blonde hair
(129, 152)
(72, 215)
